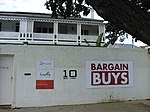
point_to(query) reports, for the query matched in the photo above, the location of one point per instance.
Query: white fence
(45, 38)
(53, 75)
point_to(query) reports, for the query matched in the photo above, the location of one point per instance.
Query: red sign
(108, 74)
(44, 84)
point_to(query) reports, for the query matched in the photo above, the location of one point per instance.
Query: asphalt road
(129, 106)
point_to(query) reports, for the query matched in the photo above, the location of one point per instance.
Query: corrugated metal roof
(42, 15)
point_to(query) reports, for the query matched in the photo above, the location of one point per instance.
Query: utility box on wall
(46, 76)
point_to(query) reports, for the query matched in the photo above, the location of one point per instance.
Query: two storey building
(40, 28)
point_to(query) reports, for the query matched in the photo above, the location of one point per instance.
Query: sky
(38, 6)
(23, 5)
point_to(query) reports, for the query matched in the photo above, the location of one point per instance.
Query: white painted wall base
(73, 90)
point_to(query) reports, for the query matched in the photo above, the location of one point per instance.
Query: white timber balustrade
(39, 28)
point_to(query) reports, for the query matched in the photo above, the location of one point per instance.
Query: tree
(131, 16)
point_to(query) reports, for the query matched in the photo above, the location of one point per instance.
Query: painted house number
(72, 74)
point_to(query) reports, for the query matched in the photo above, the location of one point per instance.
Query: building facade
(39, 28)
(34, 75)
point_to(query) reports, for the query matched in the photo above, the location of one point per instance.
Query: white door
(6, 71)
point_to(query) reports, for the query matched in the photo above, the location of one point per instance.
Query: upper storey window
(41, 27)
(9, 26)
(17, 26)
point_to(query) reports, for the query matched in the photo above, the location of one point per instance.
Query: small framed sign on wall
(45, 74)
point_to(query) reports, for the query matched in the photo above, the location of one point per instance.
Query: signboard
(109, 74)
(45, 64)
(45, 74)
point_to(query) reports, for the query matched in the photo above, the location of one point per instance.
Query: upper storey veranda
(39, 28)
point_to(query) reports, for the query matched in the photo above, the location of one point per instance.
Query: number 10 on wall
(72, 74)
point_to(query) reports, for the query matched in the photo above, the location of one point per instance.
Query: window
(43, 27)
(44, 30)
(62, 28)
(50, 30)
(38, 30)
(81, 32)
(84, 32)
(17, 27)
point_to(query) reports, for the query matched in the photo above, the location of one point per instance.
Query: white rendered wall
(74, 91)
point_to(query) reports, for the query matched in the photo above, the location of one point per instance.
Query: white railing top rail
(46, 38)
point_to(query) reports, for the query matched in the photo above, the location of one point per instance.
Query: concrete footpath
(129, 106)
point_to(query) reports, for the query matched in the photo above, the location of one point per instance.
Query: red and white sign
(45, 74)
(109, 74)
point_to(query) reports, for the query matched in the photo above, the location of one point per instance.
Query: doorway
(6, 78)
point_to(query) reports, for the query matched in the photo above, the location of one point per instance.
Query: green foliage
(143, 4)
(100, 43)
(67, 8)
(99, 40)
(113, 33)
(73, 8)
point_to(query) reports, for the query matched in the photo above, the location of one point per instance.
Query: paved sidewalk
(129, 106)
